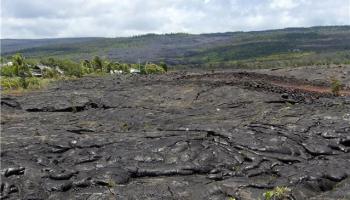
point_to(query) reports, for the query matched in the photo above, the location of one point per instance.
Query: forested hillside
(285, 47)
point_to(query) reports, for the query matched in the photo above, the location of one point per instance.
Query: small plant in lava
(278, 193)
(335, 86)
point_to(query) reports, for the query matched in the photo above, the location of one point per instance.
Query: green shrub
(97, 63)
(108, 66)
(86, 64)
(142, 69)
(69, 67)
(9, 71)
(278, 193)
(76, 71)
(33, 81)
(20, 67)
(10, 83)
(335, 86)
(72, 69)
(164, 66)
(87, 70)
(125, 68)
(50, 73)
(23, 82)
(19, 74)
(153, 69)
(51, 62)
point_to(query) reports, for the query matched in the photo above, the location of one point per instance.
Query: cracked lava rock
(228, 135)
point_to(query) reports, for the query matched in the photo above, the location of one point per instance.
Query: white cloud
(283, 4)
(112, 18)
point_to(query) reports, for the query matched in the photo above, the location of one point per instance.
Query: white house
(134, 71)
(6, 64)
(116, 72)
(37, 71)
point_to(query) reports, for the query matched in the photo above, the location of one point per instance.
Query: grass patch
(8, 71)
(15, 84)
(278, 193)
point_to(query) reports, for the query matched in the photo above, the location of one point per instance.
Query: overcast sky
(112, 18)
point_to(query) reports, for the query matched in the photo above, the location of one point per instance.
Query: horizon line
(174, 33)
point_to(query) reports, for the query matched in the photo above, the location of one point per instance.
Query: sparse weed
(335, 86)
(111, 183)
(125, 127)
(236, 168)
(278, 193)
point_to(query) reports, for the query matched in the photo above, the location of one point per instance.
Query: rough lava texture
(175, 136)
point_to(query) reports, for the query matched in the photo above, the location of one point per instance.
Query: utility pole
(138, 60)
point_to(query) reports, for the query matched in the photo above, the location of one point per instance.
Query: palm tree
(17, 62)
(97, 63)
(109, 66)
(86, 63)
(21, 69)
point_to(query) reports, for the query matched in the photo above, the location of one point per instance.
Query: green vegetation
(125, 127)
(278, 193)
(18, 69)
(291, 47)
(164, 66)
(23, 73)
(50, 73)
(111, 183)
(335, 86)
(14, 83)
(97, 64)
(8, 71)
(154, 69)
(281, 60)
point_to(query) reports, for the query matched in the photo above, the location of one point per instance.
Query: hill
(290, 46)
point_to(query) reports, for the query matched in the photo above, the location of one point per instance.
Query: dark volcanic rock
(176, 136)
(14, 171)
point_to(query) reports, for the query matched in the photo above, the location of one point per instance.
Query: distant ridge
(190, 49)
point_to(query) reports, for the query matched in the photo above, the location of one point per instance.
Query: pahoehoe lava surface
(174, 136)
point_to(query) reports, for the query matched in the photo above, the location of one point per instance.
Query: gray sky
(112, 18)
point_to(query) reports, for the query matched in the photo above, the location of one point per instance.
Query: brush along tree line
(20, 72)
